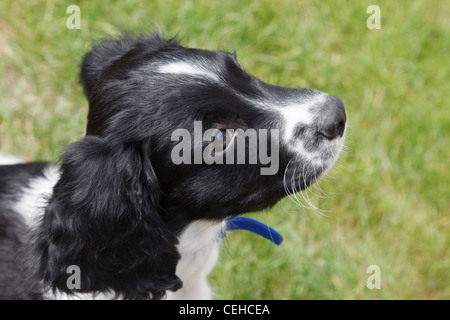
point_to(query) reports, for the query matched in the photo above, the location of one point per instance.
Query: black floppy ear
(103, 217)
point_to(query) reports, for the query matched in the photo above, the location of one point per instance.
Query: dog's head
(174, 135)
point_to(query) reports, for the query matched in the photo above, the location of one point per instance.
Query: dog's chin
(301, 173)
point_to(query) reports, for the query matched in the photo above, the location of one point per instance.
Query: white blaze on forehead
(181, 67)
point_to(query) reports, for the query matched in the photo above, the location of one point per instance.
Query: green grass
(388, 197)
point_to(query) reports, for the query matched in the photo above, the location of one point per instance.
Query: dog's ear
(109, 51)
(103, 218)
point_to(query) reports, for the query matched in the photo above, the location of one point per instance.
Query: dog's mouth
(302, 172)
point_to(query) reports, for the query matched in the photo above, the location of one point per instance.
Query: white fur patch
(199, 249)
(292, 116)
(6, 159)
(182, 67)
(298, 113)
(33, 198)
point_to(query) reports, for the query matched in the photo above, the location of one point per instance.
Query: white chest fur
(199, 249)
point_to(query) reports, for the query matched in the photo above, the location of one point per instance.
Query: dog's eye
(222, 140)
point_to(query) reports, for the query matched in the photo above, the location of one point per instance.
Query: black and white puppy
(136, 223)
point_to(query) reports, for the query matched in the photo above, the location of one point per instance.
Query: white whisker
(287, 190)
(307, 198)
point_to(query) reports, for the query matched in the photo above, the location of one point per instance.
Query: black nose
(332, 118)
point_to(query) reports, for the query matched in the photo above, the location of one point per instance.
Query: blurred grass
(388, 197)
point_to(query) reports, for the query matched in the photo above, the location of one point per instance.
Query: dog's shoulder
(24, 186)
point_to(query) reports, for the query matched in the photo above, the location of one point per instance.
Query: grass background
(386, 201)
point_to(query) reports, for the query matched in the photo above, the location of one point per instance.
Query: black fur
(104, 217)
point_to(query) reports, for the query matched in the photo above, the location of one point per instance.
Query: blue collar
(252, 225)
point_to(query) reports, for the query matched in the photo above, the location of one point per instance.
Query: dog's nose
(333, 118)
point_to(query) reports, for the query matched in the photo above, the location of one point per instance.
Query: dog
(135, 224)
